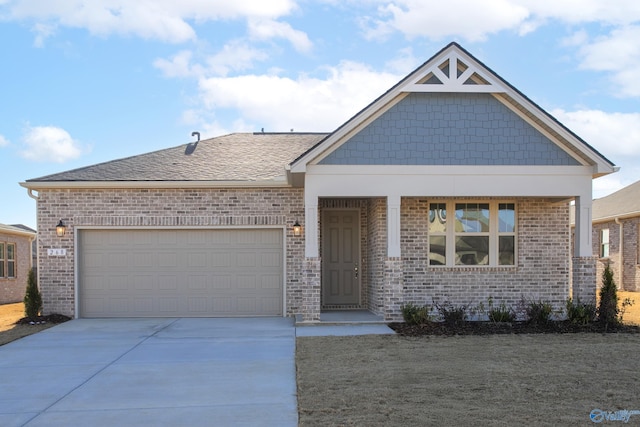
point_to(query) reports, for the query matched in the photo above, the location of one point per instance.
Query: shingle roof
(234, 157)
(623, 202)
(17, 229)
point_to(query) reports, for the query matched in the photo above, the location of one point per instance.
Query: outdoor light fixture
(60, 229)
(297, 229)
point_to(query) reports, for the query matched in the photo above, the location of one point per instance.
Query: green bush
(416, 315)
(580, 313)
(608, 308)
(539, 312)
(32, 297)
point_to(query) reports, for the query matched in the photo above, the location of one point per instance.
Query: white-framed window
(7, 260)
(464, 233)
(604, 243)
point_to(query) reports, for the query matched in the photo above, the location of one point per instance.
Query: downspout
(30, 193)
(620, 253)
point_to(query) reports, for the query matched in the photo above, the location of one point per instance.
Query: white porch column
(311, 226)
(583, 245)
(393, 226)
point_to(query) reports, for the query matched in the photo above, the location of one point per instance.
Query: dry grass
(632, 314)
(9, 331)
(498, 380)
(389, 380)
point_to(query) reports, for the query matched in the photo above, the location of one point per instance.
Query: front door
(340, 257)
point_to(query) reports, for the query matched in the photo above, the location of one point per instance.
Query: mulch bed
(494, 328)
(51, 318)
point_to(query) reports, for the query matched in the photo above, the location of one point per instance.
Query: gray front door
(340, 256)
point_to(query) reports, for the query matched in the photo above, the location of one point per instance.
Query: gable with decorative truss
(532, 137)
(452, 73)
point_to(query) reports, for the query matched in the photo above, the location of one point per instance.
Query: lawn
(492, 380)
(536, 379)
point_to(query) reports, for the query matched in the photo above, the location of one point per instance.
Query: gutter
(38, 185)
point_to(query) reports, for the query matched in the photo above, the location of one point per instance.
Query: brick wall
(143, 208)
(12, 289)
(377, 253)
(627, 275)
(542, 270)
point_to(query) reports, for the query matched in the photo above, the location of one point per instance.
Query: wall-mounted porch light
(60, 229)
(297, 229)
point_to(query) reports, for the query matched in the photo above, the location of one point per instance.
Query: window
(478, 234)
(7, 260)
(604, 243)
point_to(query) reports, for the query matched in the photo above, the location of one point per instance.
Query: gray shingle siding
(449, 129)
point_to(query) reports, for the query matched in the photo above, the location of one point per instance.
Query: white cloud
(615, 135)
(618, 12)
(618, 53)
(266, 29)
(49, 143)
(165, 20)
(234, 56)
(3, 141)
(472, 20)
(179, 65)
(475, 20)
(304, 103)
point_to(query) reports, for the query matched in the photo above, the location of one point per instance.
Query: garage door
(180, 273)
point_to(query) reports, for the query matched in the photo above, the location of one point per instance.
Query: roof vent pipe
(194, 133)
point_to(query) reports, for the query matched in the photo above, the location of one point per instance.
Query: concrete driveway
(160, 372)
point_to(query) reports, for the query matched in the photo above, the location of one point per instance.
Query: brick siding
(541, 273)
(542, 270)
(629, 278)
(12, 289)
(153, 208)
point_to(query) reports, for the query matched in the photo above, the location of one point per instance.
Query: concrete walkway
(156, 372)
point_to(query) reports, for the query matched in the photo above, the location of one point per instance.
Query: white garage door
(180, 273)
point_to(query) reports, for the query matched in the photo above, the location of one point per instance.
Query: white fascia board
(17, 232)
(342, 135)
(44, 185)
(448, 181)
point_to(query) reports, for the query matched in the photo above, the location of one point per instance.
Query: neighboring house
(15, 261)
(616, 235)
(451, 186)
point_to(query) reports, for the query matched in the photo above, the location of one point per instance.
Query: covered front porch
(373, 257)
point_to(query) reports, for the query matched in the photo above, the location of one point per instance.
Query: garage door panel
(178, 273)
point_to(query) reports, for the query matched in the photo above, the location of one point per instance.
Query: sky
(88, 81)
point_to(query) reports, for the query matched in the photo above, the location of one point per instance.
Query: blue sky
(82, 82)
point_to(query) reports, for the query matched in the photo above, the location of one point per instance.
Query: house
(15, 261)
(451, 186)
(616, 235)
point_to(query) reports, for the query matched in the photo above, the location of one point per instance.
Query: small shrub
(452, 316)
(608, 308)
(32, 297)
(416, 315)
(628, 302)
(580, 313)
(502, 314)
(499, 314)
(539, 312)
